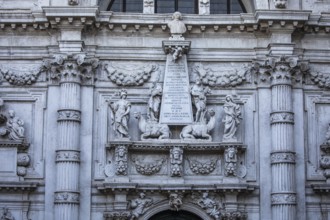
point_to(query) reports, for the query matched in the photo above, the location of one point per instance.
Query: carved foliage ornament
(284, 198)
(67, 156)
(282, 157)
(233, 215)
(74, 67)
(117, 215)
(68, 115)
(281, 69)
(21, 78)
(282, 117)
(66, 197)
(325, 158)
(321, 79)
(224, 78)
(148, 168)
(198, 167)
(136, 76)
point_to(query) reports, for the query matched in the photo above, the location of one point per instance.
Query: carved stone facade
(131, 116)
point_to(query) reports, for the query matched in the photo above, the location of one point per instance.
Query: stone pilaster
(70, 71)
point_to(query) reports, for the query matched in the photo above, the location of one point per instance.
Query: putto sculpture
(209, 205)
(120, 115)
(198, 94)
(175, 201)
(231, 120)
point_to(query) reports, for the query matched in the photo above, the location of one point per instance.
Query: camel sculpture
(152, 129)
(199, 130)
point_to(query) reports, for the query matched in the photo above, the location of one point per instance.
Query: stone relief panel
(149, 164)
(24, 123)
(317, 106)
(203, 165)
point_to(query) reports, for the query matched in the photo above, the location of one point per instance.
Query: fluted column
(283, 197)
(69, 71)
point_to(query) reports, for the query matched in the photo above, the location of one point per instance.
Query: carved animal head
(137, 115)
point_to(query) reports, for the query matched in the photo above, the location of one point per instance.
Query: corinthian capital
(78, 68)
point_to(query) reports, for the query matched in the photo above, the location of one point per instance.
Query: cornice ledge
(18, 186)
(62, 11)
(282, 15)
(321, 188)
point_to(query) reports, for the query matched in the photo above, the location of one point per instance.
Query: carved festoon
(6, 214)
(139, 205)
(120, 115)
(148, 168)
(151, 129)
(177, 27)
(21, 79)
(121, 160)
(320, 79)
(136, 76)
(199, 130)
(202, 168)
(231, 161)
(231, 119)
(198, 94)
(221, 78)
(176, 161)
(175, 201)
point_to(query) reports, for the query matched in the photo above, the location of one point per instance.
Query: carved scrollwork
(149, 168)
(67, 197)
(129, 77)
(282, 117)
(283, 198)
(198, 167)
(117, 215)
(68, 115)
(67, 156)
(226, 78)
(322, 80)
(282, 157)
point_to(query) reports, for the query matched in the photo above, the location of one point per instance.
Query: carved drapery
(70, 71)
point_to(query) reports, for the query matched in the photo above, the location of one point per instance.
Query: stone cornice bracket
(76, 68)
(71, 16)
(283, 70)
(170, 46)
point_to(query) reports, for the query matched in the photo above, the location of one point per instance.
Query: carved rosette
(198, 167)
(67, 156)
(124, 76)
(68, 115)
(67, 197)
(121, 160)
(117, 215)
(282, 157)
(282, 117)
(76, 68)
(283, 198)
(149, 168)
(23, 161)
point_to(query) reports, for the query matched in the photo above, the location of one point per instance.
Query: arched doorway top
(186, 207)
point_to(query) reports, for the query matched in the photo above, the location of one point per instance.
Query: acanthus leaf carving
(282, 157)
(233, 215)
(225, 78)
(117, 215)
(283, 198)
(148, 168)
(122, 76)
(67, 197)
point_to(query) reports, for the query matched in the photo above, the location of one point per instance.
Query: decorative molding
(224, 78)
(283, 198)
(322, 80)
(282, 157)
(67, 197)
(282, 117)
(136, 76)
(198, 167)
(149, 168)
(69, 115)
(117, 215)
(67, 156)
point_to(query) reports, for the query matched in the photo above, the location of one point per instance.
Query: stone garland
(20, 79)
(148, 169)
(125, 77)
(321, 79)
(198, 167)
